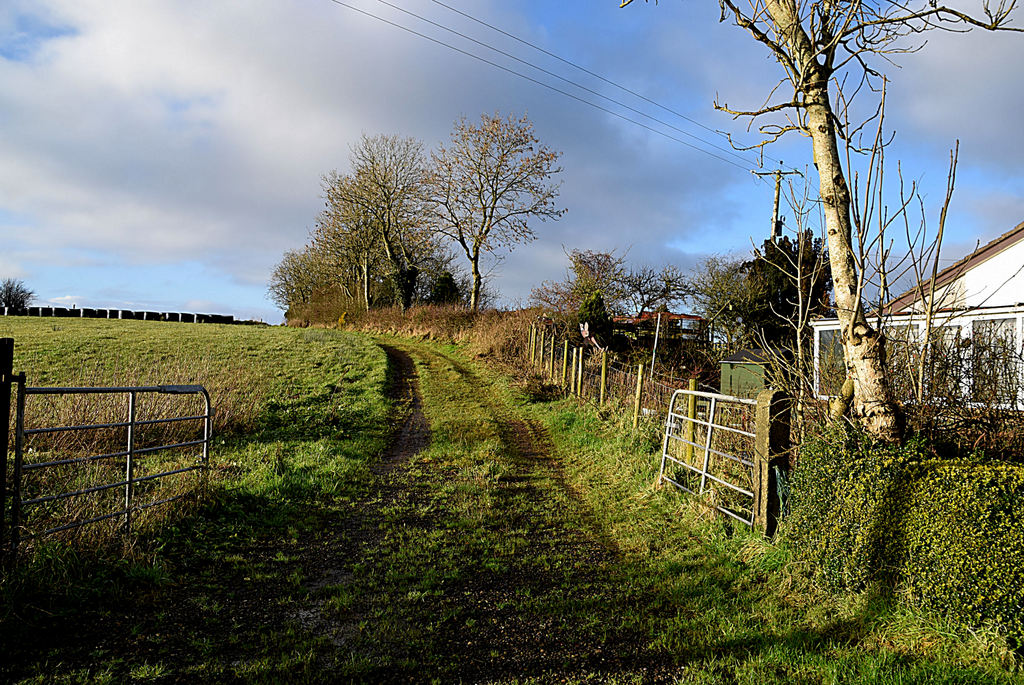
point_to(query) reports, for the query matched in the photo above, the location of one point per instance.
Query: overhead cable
(569, 81)
(540, 83)
(610, 82)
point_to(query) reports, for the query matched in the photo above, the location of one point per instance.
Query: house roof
(950, 273)
(748, 356)
(653, 317)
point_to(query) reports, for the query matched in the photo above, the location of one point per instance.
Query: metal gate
(94, 474)
(709, 450)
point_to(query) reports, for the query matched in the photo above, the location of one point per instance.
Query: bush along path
(497, 539)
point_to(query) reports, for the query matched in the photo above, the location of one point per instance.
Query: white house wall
(996, 282)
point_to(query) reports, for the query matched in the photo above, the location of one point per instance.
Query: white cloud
(162, 132)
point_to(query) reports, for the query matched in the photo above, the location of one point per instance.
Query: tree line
(393, 228)
(761, 300)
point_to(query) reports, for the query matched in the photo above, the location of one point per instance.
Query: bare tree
(719, 290)
(14, 294)
(806, 287)
(488, 184)
(822, 45)
(589, 271)
(296, 278)
(387, 190)
(346, 236)
(647, 287)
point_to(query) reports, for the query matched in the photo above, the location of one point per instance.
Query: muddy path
(490, 567)
(413, 433)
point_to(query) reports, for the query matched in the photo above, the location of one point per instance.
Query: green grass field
(301, 414)
(500, 538)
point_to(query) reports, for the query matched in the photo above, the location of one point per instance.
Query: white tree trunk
(474, 300)
(863, 346)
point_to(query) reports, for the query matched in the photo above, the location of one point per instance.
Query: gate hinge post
(771, 449)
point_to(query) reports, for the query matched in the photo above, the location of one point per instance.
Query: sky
(163, 154)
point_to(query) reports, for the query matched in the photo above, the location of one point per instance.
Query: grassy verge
(746, 611)
(216, 590)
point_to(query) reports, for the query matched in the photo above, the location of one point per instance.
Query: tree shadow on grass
(209, 590)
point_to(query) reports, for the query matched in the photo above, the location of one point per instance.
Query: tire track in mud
(329, 560)
(501, 634)
(413, 436)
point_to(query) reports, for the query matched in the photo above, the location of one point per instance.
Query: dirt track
(548, 608)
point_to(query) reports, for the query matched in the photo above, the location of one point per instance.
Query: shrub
(593, 313)
(949, 535)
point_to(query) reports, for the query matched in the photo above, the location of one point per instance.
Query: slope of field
(211, 589)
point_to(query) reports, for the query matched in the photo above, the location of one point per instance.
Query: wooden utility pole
(776, 230)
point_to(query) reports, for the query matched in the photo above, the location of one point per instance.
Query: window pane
(996, 361)
(831, 367)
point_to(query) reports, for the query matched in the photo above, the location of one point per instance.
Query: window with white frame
(995, 361)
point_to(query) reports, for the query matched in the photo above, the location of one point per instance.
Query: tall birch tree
(820, 45)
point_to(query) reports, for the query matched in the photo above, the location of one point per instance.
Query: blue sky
(163, 155)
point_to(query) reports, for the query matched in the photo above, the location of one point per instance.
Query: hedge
(947, 534)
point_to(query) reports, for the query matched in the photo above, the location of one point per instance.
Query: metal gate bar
(130, 479)
(676, 420)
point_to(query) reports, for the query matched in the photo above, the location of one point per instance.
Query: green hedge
(949, 535)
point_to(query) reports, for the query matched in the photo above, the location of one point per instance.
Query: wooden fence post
(604, 377)
(533, 339)
(6, 378)
(572, 373)
(639, 395)
(551, 361)
(691, 414)
(771, 453)
(576, 372)
(540, 357)
(580, 375)
(565, 361)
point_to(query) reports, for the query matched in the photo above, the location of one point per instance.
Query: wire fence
(726, 450)
(592, 374)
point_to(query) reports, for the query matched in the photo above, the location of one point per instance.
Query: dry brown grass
(235, 393)
(501, 336)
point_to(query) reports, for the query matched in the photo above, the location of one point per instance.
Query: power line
(621, 87)
(569, 81)
(538, 82)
